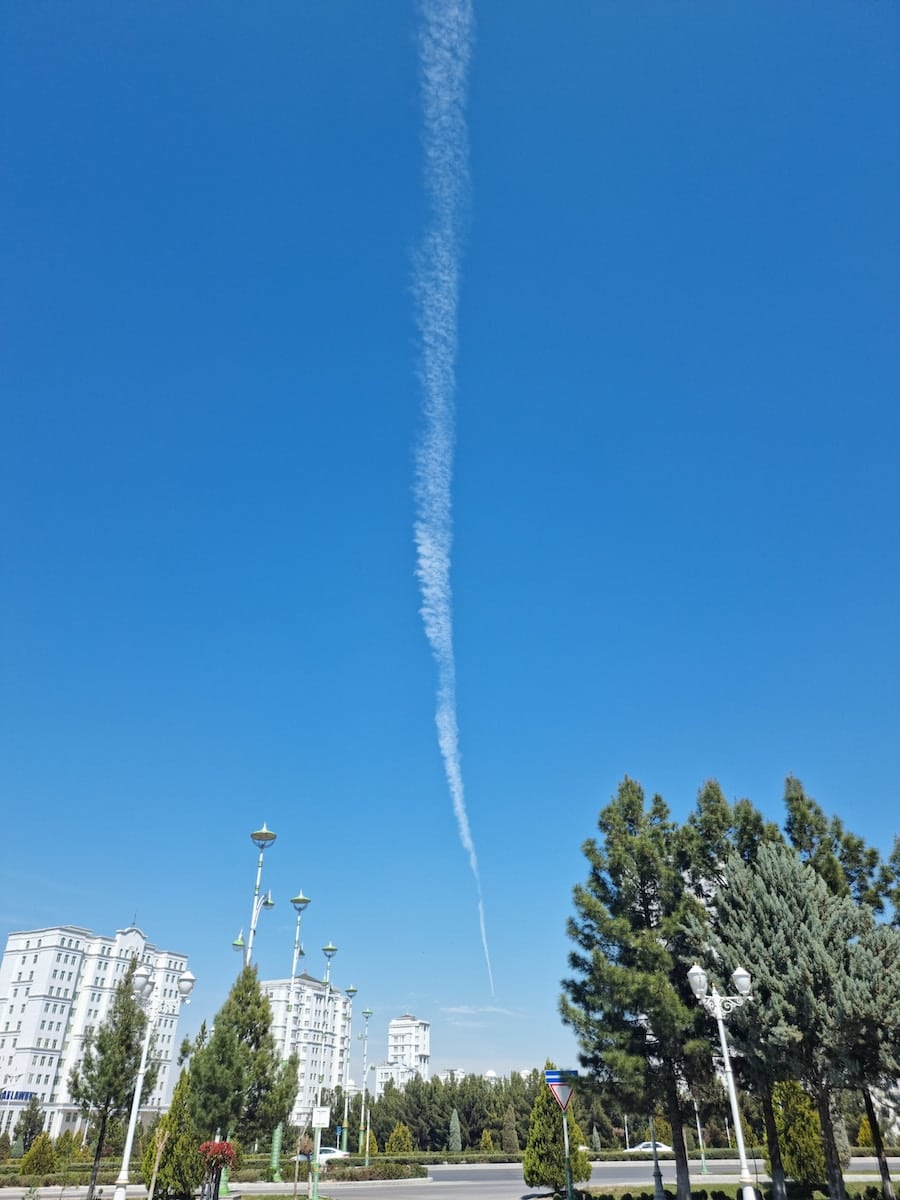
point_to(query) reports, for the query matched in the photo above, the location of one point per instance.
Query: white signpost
(321, 1119)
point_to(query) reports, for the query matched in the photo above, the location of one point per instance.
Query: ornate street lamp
(299, 903)
(350, 992)
(363, 1139)
(145, 992)
(261, 838)
(719, 1007)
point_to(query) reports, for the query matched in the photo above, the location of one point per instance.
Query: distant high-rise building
(408, 1053)
(56, 985)
(314, 1024)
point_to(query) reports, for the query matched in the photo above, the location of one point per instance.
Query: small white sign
(321, 1117)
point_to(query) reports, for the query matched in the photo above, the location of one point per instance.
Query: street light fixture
(363, 1139)
(329, 951)
(144, 987)
(719, 1007)
(261, 838)
(299, 902)
(350, 993)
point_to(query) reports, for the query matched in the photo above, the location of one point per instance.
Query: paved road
(488, 1181)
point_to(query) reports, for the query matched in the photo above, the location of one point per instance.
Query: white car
(327, 1153)
(647, 1148)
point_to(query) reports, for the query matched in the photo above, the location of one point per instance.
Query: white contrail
(445, 45)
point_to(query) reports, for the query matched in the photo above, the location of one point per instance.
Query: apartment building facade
(408, 1053)
(311, 1019)
(56, 986)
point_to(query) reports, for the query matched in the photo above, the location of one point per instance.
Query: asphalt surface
(476, 1181)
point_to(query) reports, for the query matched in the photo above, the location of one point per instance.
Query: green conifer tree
(628, 1001)
(40, 1158)
(799, 1133)
(239, 1085)
(509, 1137)
(544, 1162)
(400, 1140)
(172, 1166)
(455, 1142)
(103, 1082)
(30, 1123)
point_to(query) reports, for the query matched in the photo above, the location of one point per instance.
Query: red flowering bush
(217, 1155)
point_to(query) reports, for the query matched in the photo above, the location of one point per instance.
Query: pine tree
(486, 1145)
(104, 1081)
(850, 867)
(544, 1162)
(239, 1085)
(637, 1026)
(30, 1123)
(779, 916)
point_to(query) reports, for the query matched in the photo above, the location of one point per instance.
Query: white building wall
(55, 985)
(408, 1052)
(312, 1022)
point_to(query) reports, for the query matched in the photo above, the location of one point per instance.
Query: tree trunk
(98, 1153)
(161, 1138)
(887, 1188)
(673, 1112)
(833, 1169)
(779, 1186)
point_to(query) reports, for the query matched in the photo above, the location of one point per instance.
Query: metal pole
(704, 1170)
(363, 1139)
(746, 1179)
(658, 1191)
(351, 992)
(568, 1159)
(122, 1178)
(299, 902)
(261, 838)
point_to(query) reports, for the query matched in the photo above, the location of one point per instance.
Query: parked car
(647, 1148)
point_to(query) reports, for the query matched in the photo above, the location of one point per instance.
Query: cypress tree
(544, 1162)
(172, 1166)
(455, 1143)
(509, 1138)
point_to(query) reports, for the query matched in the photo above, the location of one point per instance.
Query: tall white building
(408, 1053)
(56, 985)
(312, 1020)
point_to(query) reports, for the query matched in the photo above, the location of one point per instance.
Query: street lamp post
(704, 1169)
(329, 951)
(363, 1139)
(145, 990)
(350, 992)
(719, 1007)
(299, 902)
(261, 838)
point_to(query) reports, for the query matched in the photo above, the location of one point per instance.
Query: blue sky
(675, 486)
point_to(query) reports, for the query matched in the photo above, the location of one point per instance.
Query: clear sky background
(675, 496)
